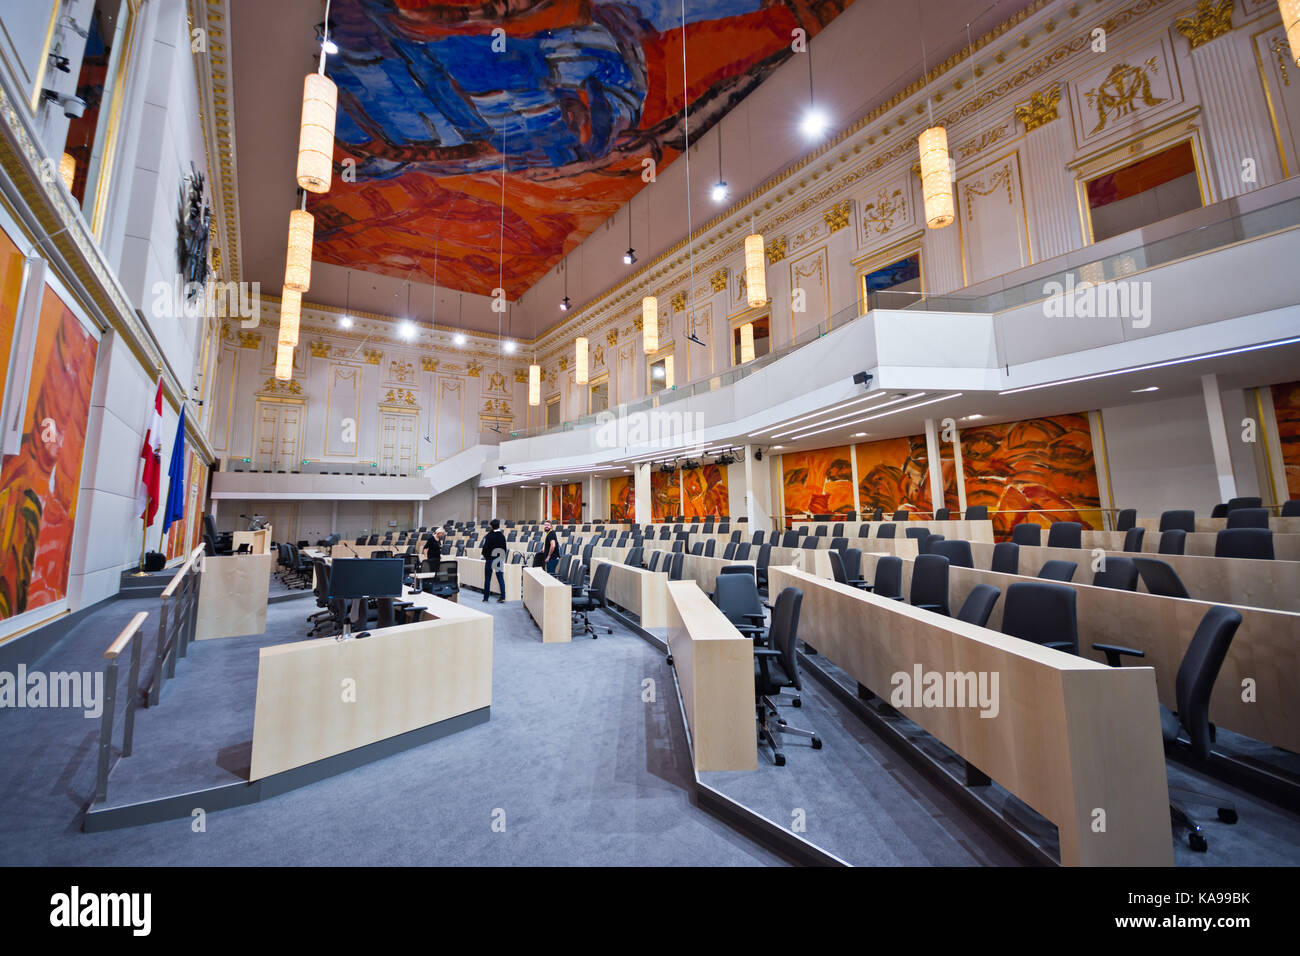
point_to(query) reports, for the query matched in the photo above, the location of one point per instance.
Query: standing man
(494, 555)
(550, 549)
(433, 549)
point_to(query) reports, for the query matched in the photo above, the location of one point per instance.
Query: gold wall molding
(1210, 21)
(837, 217)
(273, 386)
(1040, 109)
(319, 348)
(400, 397)
(428, 364)
(373, 356)
(250, 340)
(678, 301)
(775, 250)
(717, 282)
(473, 369)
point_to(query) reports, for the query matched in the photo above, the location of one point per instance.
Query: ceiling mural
(568, 96)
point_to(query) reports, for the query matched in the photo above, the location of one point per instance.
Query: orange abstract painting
(665, 495)
(1040, 470)
(622, 499)
(818, 482)
(39, 485)
(11, 290)
(705, 492)
(1286, 409)
(566, 503)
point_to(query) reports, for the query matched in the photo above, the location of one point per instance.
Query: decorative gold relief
(1001, 180)
(881, 214)
(473, 369)
(497, 383)
(521, 376)
(319, 348)
(717, 282)
(637, 324)
(399, 371)
(373, 356)
(1040, 110)
(429, 364)
(273, 386)
(977, 146)
(678, 301)
(400, 397)
(1126, 89)
(250, 340)
(837, 217)
(612, 337)
(564, 363)
(776, 250)
(1210, 21)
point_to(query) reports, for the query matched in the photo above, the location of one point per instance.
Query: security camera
(73, 106)
(501, 467)
(862, 378)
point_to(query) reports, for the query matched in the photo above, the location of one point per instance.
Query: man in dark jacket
(494, 556)
(433, 548)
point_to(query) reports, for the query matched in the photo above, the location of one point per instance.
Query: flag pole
(144, 521)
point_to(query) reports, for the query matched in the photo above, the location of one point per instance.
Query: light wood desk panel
(233, 594)
(550, 604)
(1211, 525)
(1286, 547)
(1070, 735)
(704, 571)
(1269, 584)
(1265, 649)
(470, 573)
(259, 541)
(964, 530)
(715, 670)
(323, 697)
(639, 591)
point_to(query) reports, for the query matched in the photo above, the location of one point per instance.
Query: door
(396, 443)
(278, 428)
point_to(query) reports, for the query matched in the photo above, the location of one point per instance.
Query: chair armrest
(1061, 646)
(760, 618)
(1114, 651)
(766, 652)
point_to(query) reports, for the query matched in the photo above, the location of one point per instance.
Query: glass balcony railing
(1194, 241)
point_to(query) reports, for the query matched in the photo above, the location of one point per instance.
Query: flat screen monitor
(366, 577)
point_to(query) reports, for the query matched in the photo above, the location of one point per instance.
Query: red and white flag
(151, 454)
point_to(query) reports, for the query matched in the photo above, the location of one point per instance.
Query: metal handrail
(123, 639)
(176, 620)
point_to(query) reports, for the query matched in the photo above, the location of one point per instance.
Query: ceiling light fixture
(936, 170)
(1290, 10)
(290, 314)
(320, 100)
(1149, 388)
(407, 329)
(719, 191)
(649, 325)
(905, 408)
(580, 356)
(297, 263)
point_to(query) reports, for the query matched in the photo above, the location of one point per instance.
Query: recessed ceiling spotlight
(1149, 388)
(508, 346)
(777, 447)
(407, 329)
(329, 46)
(859, 434)
(719, 192)
(345, 321)
(458, 338)
(971, 418)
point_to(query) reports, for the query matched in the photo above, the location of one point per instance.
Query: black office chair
(977, 513)
(634, 557)
(1006, 558)
(736, 596)
(1028, 534)
(1247, 517)
(900, 515)
(1133, 540)
(884, 531)
(679, 546)
(1126, 519)
(919, 534)
(926, 544)
(790, 539)
(821, 531)
(1291, 509)
(697, 549)
(1236, 503)
(742, 552)
(321, 588)
(729, 551)
(1057, 571)
(1173, 541)
(1042, 613)
(979, 605)
(837, 567)
(864, 531)
(1253, 543)
(878, 514)
(1160, 578)
(852, 558)
(1184, 520)
(776, 668)
(675, 568)
(839, 544)
(587, 599)
(1193, 687)
(941, 514)
(758, 538)
(1065, 534)
(709, 547)
(958, 553)
(889, 578)
(736, 536)
(654, 560)
(760, 565)
(1118, 573)
(1219, 511)
(809, 543)
(930, 583)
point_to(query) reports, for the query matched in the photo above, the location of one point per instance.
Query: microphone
(350, 548)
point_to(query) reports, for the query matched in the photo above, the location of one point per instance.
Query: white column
(641, 492)
(1053, 208)
(959, 471)
(1237, 126)
(541, 503)
(759, 505)
(334, 516)
(419, 513)
(1218, 437)
(941, 259)
(493, 512)
(932, 455)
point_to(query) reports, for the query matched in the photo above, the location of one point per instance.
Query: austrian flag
(151, 453)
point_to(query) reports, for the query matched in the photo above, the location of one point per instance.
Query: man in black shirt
(494, 556)
(433, 549)
(550, 549)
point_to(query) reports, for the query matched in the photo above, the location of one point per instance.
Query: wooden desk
(704, 571)
(258, 541)
(550, 604)
(715, 670)
(324, 697)
(470, 573)
(1270, 584)
(1286, 547)
(640, 591)
(233, 594)
(1070, 735)
(1265, 649)
(1211, 525)
(952, 530)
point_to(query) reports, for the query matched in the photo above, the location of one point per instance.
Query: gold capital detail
(1040, 110)
(429, 364)
(373, 356)
(717, 281)
(776, 250)
(564, 364)
(250, 340)
(679, 301)
(319, 349)
(473, 369)
(1210, 21)
(837, 217)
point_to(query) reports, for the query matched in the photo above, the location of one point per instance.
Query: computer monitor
(366, 577)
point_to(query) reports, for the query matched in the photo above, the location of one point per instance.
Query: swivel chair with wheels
(776, 668)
